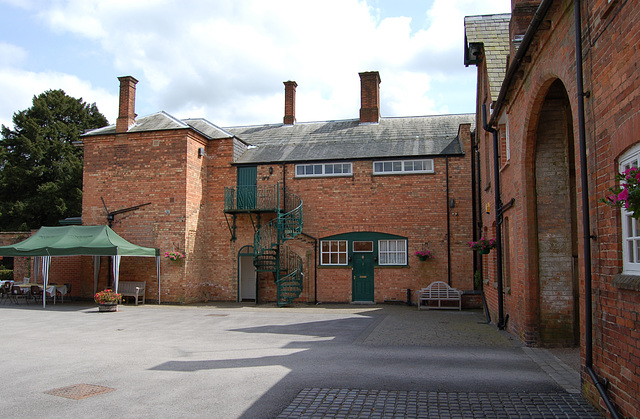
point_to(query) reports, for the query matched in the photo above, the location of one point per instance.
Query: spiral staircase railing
(271, 254)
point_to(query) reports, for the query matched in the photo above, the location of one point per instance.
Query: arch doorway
(556, 216)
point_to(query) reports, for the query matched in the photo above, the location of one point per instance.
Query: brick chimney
(290, 102)
(369, 97)
(126, 112)
(522, 12)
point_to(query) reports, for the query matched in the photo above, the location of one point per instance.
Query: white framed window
(334, 252)
(507, 141)
(324, 169)
(403, 166)
(630, 226)
(392, 252)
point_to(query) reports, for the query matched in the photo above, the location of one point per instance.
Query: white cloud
(11, 55)
(226, 59)
(19, 88)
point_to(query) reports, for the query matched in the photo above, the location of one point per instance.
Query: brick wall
(412, 206)
(610, 33)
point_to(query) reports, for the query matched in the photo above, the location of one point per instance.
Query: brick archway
(556, 220)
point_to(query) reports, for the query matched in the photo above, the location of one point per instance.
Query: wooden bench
(132, 289)
(438, 292)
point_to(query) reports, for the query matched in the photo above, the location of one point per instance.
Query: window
(630, 226)
(324, 169)
(507, 143)
(506, 253)
(334, 252)
(392, 252)
(360, 246)
(403, 166)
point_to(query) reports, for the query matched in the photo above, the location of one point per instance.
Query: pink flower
(623, 196)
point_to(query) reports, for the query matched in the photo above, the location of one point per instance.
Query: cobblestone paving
(346, 403)
(399, 326)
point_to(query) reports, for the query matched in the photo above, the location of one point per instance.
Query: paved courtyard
(243, 361)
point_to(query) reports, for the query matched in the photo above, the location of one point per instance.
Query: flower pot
(484, 251)
(108, 307)
(423, 258)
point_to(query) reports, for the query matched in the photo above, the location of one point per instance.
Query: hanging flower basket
(174, 256)
(424, 255)
(483, 246)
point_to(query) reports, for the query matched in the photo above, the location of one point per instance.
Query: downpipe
(586, 231)
(498, 210)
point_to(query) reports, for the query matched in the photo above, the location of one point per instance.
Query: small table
(52, 289)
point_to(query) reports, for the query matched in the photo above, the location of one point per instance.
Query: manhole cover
(79, 391)
(217, 315)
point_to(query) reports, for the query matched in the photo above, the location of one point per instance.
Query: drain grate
(79, 391)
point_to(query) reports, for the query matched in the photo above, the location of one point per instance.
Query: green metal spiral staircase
(271, 254)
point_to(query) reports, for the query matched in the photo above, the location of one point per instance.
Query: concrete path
(243, 361)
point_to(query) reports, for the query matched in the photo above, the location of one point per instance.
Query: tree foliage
(40, 167)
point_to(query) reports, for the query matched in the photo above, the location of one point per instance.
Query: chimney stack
(369, 97)
(126, 112)
(290, 102)
(521, 16)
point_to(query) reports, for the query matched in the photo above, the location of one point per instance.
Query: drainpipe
(284, 187)
(498, 210)
(586, 230)
(448, 225)
(477, 228)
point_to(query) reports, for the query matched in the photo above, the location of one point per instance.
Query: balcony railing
(252, 198)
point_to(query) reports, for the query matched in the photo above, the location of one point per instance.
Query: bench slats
(438, 292)
(132, 289)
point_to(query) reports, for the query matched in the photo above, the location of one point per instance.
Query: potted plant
(483, 245)
(174, 255)
(107, 300)
(626, 195)
(423, 254)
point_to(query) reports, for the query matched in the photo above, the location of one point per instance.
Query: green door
(363, 276)
(247, 187)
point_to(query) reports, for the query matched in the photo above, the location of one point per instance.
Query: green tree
(40, 166)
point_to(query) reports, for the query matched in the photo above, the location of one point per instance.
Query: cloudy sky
(225, 60)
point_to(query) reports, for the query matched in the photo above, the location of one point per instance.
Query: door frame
(244, 252)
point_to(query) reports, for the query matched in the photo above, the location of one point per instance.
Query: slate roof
(348, 139)
(163, 121)
(493, 32)
(330, 140)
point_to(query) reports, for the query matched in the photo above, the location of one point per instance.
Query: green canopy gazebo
(76, 240)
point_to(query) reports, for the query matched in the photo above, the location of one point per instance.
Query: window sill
(627, 282)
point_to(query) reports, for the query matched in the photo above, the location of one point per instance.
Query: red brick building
(566, 119)
(310, 212)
